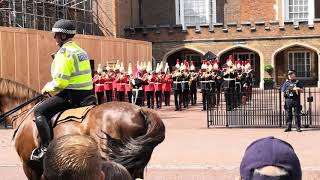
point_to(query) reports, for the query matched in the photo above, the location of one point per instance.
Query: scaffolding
(42, 14)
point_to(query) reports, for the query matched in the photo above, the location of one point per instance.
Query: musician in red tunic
(99, 81)
(108, 85)
(121, 81)
(150, 78)
(129, 84)
(158, 85)
(166, 86)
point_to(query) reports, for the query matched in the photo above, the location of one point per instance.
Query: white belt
(204, 81)
(99, 84)
(108, 82)
(140, 89)
(238, 83)
(177, 82)
(157, 83)
(229, 79)
(151, 82)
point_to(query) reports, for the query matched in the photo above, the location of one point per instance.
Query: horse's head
(13, 94)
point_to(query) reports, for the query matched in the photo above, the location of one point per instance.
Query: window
(196, 58)
(196, 12)
(298, 9)
(301, 62)
(244, 56)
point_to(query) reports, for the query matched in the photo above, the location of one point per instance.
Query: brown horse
(126, 134)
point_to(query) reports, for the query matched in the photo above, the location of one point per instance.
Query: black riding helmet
(64, 27)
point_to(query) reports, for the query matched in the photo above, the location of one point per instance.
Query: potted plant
(268, 68)
(268, 83)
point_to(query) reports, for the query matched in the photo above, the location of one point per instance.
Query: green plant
(268, 68)
(268, 80)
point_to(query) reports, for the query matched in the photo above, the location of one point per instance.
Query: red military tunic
(121, 82)
(166, 86)
(108, 84)
(159, 82)
(99, 83)
(151, 81)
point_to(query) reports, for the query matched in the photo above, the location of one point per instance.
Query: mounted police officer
(71, 82)
(292, 89)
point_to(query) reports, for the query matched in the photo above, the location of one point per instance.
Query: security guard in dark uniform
(292, 89)
(71, 82)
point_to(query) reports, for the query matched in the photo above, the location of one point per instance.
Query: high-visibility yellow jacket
(70, 69)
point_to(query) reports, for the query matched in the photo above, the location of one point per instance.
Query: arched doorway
(300, 58)
(243, 54)
(184, 54)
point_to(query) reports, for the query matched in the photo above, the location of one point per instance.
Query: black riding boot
(45, 137)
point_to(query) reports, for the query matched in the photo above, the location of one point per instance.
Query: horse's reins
(4, 115)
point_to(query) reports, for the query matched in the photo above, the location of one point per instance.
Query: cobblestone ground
(193, 152)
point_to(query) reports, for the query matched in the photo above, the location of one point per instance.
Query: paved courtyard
(193, 152)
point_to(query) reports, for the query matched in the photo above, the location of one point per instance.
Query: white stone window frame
(251, 55)
(305, 66)
(210, 13)
(311, 11)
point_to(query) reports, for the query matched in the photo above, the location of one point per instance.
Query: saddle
(75, 114)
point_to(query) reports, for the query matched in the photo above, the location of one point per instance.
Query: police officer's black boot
(288, 128)
(45, 137)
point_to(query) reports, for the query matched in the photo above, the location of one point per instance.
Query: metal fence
(259, 108)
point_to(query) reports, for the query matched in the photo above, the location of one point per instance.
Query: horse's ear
(102, 175)
(42, 177)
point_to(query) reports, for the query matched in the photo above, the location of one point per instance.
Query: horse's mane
(16, 90)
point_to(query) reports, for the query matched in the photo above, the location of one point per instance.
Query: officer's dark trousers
(177, 99)
(204, 99)
(166, 98)
(150, 99)
(230, 98)
(185, 97)
(138, 97)
(108, 95)
(120, 95)
(100, 96)
(293, 104)
(158, 98)
(193, 95)
(129, 94)
(66, 99)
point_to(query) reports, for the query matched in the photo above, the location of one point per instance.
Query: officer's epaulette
(62, 50)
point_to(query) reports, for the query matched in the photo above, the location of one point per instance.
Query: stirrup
(38, 153)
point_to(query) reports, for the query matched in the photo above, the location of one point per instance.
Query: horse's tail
(135, 153)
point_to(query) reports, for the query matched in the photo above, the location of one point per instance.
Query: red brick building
(281, 33)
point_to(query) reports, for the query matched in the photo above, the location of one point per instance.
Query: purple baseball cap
(270, 151)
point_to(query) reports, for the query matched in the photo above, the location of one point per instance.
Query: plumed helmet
(64, 26)
(99, 69)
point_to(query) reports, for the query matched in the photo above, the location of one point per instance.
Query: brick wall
(104, 11)
(127, 14)
(232, 11)
(158, 12)
(257, 10)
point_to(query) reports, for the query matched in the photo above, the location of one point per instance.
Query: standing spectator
(292, 89)
(73, 157)
(270, 159)
(115, 171)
